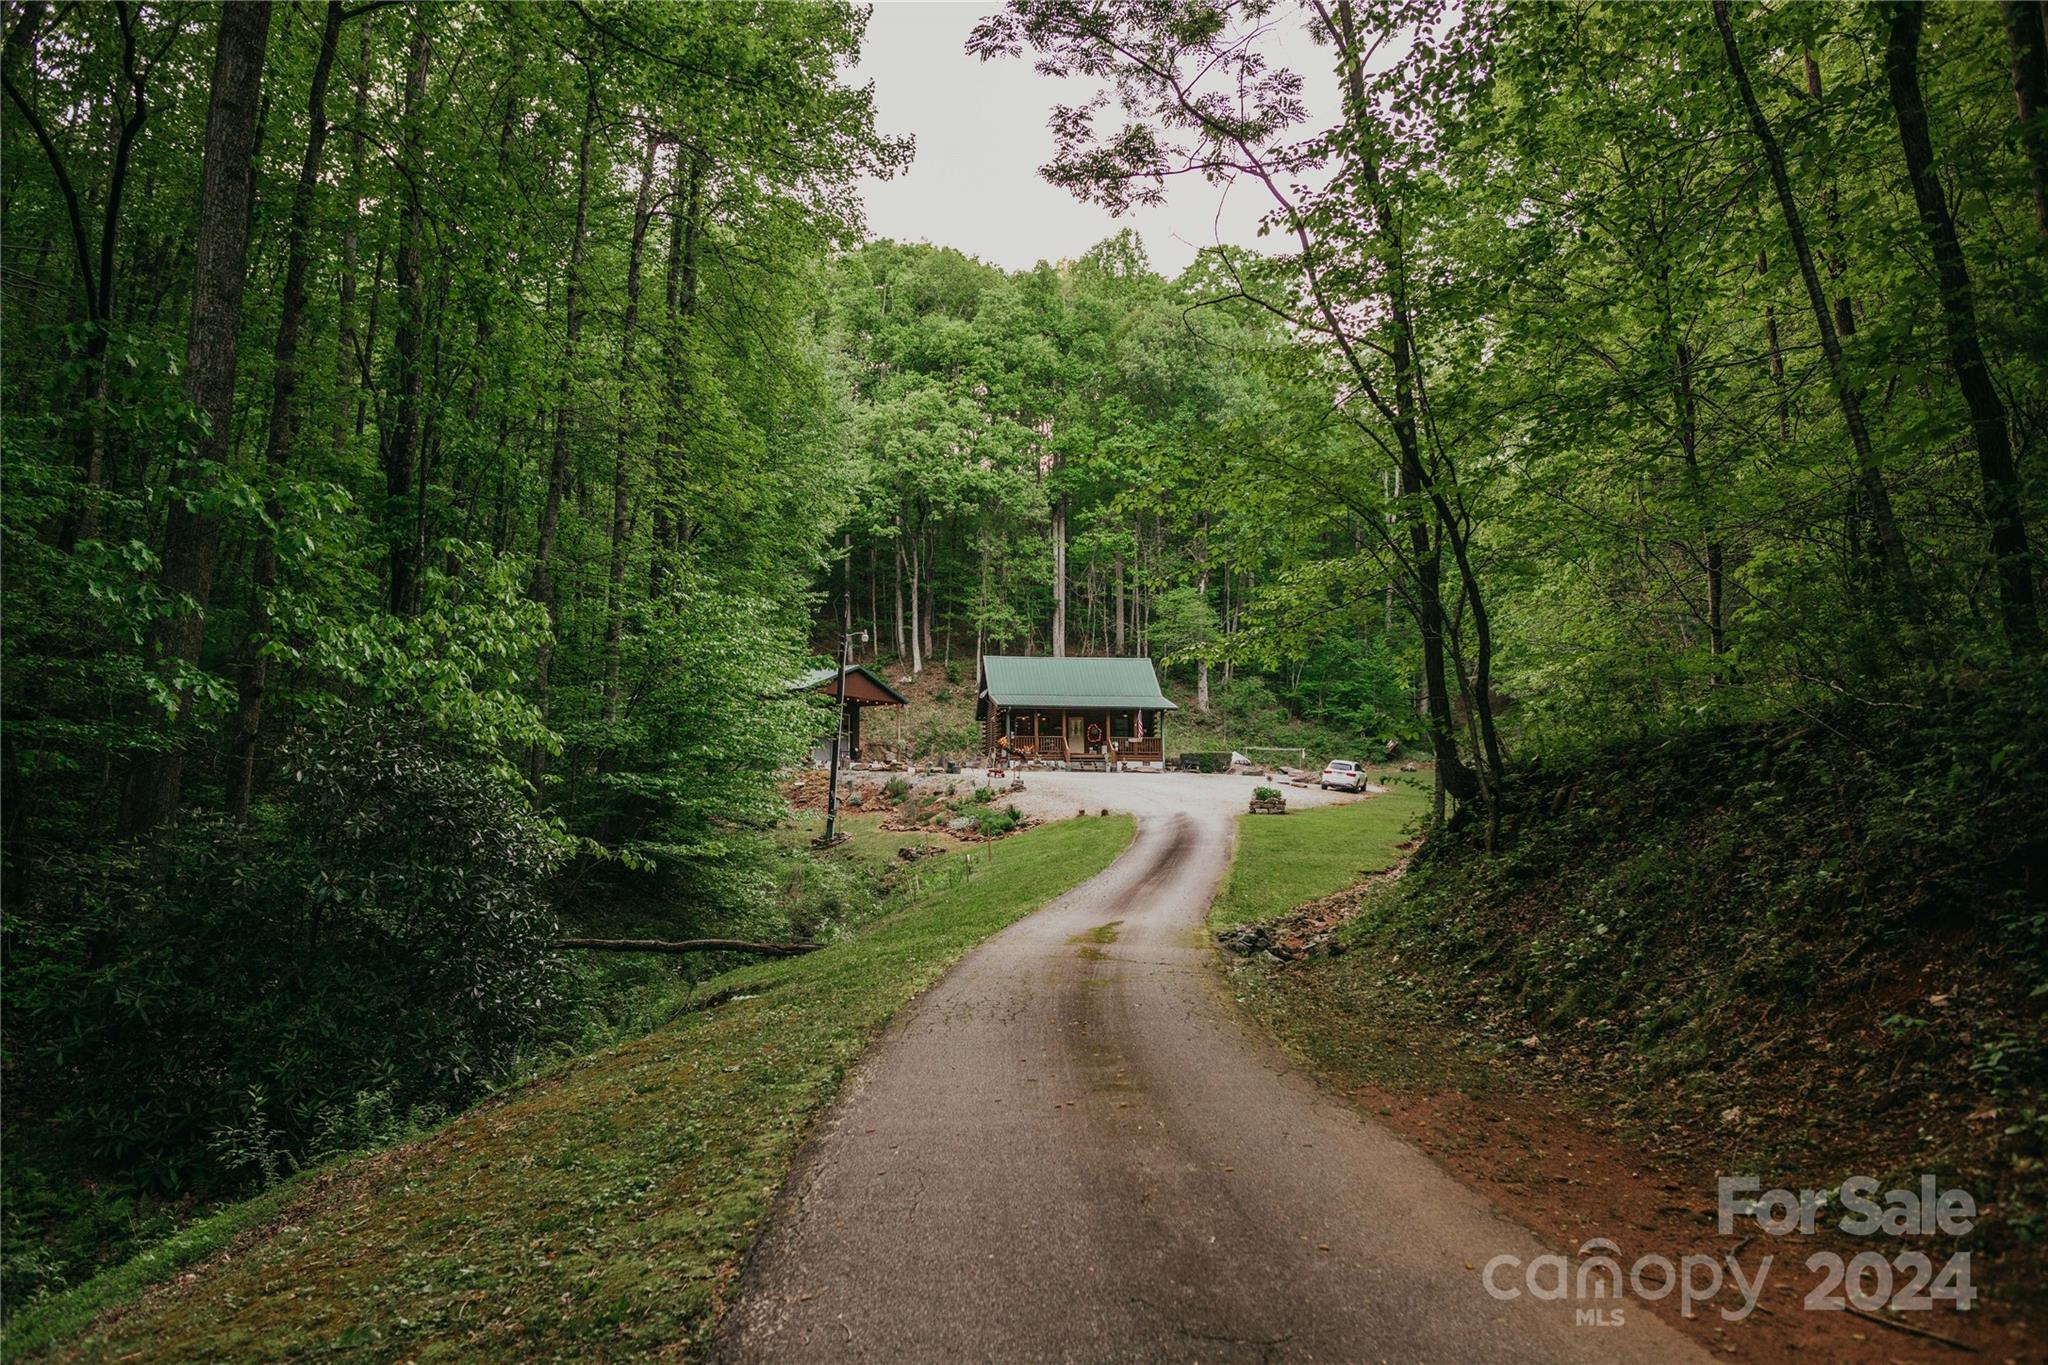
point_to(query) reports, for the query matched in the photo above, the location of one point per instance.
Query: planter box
(1276, 806)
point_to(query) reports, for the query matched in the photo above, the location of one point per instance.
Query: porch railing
(1053, 749)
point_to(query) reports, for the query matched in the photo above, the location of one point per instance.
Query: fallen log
(688, 945)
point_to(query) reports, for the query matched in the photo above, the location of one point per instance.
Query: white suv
(1343, 775)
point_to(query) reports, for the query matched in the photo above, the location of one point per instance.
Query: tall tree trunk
(1876, 498)
(1229, 621)
(473, 408)
(680, 299)
(931, 590)
(349, 361)
(2026, 34)
(542, 589)
(1059, 575)
(220, 266)
(916, 637)
(96, 276)
(86, 525)
(629, 330)
(1117, 564)
(254, 668)
(1091, 607)
(402, 445)
(1424, 501)
(1687, 414)
(2009, 549)
(901, 648)
(693, 232)
(680, 292)
(985, 545)
(1202, 662)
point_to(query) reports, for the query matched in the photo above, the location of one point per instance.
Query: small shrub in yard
(991, 823)
(984, 795)
(896, 788)
(1265, 793)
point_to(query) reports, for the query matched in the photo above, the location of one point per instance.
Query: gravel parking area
(1050, 794)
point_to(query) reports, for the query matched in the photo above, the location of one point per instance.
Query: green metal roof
(1114, 684)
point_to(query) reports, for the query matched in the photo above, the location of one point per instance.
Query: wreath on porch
(1094, 733)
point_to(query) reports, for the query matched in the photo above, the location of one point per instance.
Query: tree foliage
(1662, 361)
(418, 446)
(436, 433)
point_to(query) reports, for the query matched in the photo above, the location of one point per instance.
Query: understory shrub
(205, 1011)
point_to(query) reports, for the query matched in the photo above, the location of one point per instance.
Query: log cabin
(1086, 713)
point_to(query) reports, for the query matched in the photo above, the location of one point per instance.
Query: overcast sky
(981, 137)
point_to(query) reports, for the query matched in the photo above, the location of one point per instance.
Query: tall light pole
(838, 738)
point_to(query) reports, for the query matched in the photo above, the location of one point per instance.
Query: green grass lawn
(1285, 861)
(601, 1210)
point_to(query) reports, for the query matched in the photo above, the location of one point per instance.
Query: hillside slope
(1805, 950)
(603, 1209)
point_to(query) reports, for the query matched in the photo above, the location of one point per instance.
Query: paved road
(1073, 1148)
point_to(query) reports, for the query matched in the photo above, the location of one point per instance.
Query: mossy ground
(602, 1210)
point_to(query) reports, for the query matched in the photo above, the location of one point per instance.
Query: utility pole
(831, 835)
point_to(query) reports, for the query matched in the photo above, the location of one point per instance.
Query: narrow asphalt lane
(1075, 1148)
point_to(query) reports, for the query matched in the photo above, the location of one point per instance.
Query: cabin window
(1120, 725)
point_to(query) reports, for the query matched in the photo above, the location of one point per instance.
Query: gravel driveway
(1075, 1148)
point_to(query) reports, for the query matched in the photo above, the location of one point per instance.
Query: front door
(1077, 733)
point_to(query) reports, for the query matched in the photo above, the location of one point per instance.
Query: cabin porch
(1081, 738)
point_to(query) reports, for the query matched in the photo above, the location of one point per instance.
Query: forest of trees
(417, 448)
(1630, 367)
(435, 432)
